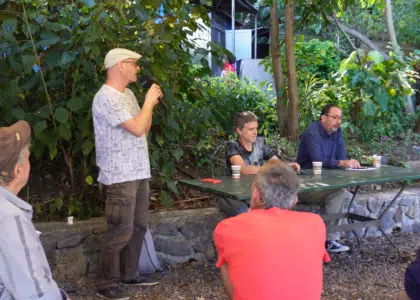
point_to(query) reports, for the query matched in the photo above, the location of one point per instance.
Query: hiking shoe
(141, 281)
(113, 293)
(335, 247)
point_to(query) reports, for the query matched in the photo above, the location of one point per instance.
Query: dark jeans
(126, 213)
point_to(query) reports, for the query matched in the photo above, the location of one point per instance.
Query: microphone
(146, 82)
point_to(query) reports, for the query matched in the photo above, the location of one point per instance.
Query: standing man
(122, 156)
(272, 252)
(24, 269)
(249, 151)
(322, 141)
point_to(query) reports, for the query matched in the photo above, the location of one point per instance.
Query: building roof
(241, 6)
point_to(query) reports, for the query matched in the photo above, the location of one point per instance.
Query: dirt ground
(366, 275)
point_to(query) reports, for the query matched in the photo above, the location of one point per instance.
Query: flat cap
(12, 140)
(118, 54)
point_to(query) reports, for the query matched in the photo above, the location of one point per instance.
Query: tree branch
(346, 30)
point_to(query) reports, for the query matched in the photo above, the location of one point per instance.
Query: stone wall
(180, 236)
(403, 216)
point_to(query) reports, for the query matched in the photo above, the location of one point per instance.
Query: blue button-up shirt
(317, 145)
(24, 270)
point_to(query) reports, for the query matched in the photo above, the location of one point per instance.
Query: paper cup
(317, 167)
(236, 171)
(377, 161)
(70, 220)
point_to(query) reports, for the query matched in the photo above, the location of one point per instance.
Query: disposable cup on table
(317, 167)
(236, 171)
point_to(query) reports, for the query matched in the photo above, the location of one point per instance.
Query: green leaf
(166, 199)
(75, 104)
(40, 127)
(87, 147)
(376, 56)
(383, 99)
(177, 153)
(64, 131)
(172, 186)
(53, 58)
(43, 112)
(58, 203)
(346, 62)
(369, 108)
(28, 62)
(89, 180)
(18, 113)
(53, 150)
(68, 57)
(168, 168)
(48, 38)
(37, 208)
(159, 140)
(9, 26)
(61, 115)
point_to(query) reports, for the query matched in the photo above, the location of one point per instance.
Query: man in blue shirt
(24, 270)
(322, 141)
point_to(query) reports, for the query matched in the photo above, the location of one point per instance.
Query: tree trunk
(292, 124)
(281, 103)
(417, 126)
(393, 39)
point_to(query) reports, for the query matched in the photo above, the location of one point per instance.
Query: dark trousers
(126, 213)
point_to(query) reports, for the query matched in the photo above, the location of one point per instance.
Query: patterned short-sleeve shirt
(120, 155)
(260, 152)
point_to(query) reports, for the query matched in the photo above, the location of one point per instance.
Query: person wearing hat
(121, 130)
(24, 269)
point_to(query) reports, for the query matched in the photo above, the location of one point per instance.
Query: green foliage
(53, 89)
(225, 96)
(316, 57)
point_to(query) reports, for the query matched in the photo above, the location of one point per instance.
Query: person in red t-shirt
(272, 252)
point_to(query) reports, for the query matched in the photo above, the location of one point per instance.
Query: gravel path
(366, 275)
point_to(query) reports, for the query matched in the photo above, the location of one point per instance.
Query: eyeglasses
(336, 118)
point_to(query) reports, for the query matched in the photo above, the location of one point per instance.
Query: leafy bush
(225, 96)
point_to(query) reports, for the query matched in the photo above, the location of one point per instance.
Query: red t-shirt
(273, 254)
(229, 67)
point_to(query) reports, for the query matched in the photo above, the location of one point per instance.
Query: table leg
(392, 257)
(355, 248)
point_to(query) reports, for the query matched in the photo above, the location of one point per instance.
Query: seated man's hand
(351, 163)
(295, 166)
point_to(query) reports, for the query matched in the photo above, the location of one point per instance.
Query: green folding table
(240, 189)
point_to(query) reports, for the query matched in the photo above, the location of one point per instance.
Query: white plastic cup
(377, 161)
(70, 220)
(317, 167)
(236, 171)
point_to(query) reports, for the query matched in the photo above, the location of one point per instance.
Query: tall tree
(394, 43)
(293, 103)
(281, 103)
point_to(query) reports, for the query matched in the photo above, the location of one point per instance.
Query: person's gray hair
(278, 184)
(6, 179)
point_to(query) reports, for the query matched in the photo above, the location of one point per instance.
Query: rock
(388, 221)
(174, 259)
(406, 201)
(93, 263)
(413, 212)
(70, 263)
(416, 227)
(72, 241)
(372, 231)
(374, 205)
(173, 245)
(399, 215)
(164, 228)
